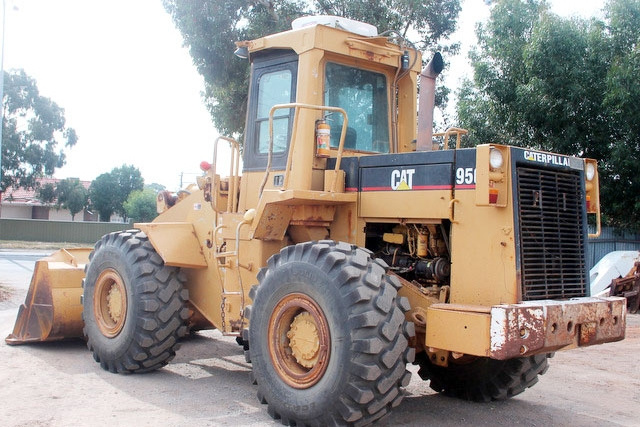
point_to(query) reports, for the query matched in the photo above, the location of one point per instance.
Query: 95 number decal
(465, 176)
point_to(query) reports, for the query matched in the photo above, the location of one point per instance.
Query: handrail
(297, 106)
(234, 168)
(372, 47)
(458, 131)
(235, 253)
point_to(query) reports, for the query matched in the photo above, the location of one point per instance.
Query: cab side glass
(273, 88)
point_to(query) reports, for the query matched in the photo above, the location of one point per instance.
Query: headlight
(495, 158)
(590, 171)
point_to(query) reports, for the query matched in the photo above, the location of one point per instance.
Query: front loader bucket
(52, 309)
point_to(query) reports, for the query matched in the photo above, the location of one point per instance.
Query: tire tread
(161, 315)
(379, 332)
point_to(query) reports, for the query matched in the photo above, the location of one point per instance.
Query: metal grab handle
(234, 167)
(458, 131)
(451, 204)
(297, 106)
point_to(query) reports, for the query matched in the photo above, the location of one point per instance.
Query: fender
(176, 242)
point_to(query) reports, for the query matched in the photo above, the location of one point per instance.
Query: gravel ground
(207, 384)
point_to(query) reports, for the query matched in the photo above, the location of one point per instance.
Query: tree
(109, 191)
(47, 193)
(33, 127)
(72, 195)
(128, 179)
(102, 196)
(141, 205)
(210, 28)
(562, 85)
(622, 96)
(155, 187)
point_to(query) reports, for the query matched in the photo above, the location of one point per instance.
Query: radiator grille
(552, 247)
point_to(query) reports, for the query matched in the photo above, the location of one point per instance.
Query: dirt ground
(207, 384)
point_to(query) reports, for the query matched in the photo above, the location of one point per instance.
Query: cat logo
(546, 158)
(402, 179)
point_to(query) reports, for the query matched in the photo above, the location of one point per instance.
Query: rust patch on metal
(629, 288)
(236, 325)
(587, 333)
(546, 326)
(281, 342)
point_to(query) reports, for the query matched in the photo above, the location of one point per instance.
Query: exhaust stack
(426, 102)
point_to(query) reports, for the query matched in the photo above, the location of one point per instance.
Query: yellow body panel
(487, 276)
(416, 205)
(176, 242)
(469, 330)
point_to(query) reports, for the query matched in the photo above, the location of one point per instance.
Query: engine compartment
(419, 253)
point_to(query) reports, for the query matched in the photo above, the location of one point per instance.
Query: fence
(611, 240)
(56, 231)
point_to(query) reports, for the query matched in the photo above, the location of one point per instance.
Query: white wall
(62, 215)
(15, 212)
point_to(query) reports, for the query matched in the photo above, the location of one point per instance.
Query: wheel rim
(110, 303)
(299, 340)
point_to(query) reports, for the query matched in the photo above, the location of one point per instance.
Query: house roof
(23, 196)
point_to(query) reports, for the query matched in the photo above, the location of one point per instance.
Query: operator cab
(326, 61)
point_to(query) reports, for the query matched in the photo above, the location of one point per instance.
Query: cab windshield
(363, 95)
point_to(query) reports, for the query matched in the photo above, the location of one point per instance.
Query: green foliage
(141, 205)
(155, 187)
(32, 128)
(128, 179)
(210, 29)
(431, 20)
(622, 177)
(562, 85)
(72, 195)
(102, 196)
(109, 191)
(47, 193)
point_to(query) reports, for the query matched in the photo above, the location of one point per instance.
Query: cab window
(273, 81)
(363, 95)
(273, 88)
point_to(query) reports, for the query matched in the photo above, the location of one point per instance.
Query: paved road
(16, 266)
(208, 384)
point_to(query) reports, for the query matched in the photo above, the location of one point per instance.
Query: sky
(129, 88)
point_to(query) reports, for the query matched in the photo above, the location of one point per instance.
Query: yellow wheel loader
(355, 241)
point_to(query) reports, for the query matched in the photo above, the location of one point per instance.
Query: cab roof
(335, 40)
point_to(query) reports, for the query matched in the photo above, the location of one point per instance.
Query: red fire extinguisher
(323, 138)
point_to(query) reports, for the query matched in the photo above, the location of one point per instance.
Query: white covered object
(612, 266)
(346, 24)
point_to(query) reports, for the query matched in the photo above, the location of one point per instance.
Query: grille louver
(551, 223)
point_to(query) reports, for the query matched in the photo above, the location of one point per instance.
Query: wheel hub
(110, 302)
(299, 340)
(114, 303)
(303, 340)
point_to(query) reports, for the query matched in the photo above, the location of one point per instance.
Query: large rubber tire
(134, 306)
(482, 379)
(354, 371)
